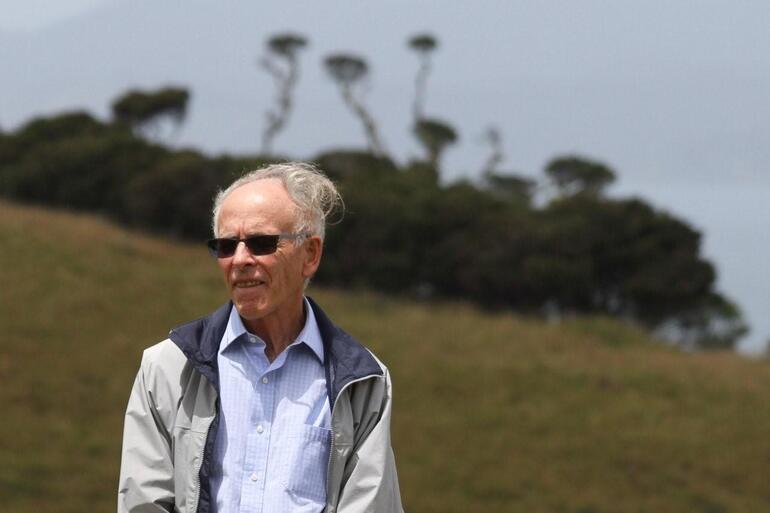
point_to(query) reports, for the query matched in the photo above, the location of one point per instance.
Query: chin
(251, 311)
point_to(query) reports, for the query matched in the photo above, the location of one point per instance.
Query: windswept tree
(510, 187)
(145, 112)
(576, 175)
(435, 136)
(349, 72)
(507, 186)
(495, 141)
(423, 45)
(282, 64)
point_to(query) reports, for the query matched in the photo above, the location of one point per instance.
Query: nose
(242, 255)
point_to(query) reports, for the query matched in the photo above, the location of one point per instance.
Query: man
(264, 406)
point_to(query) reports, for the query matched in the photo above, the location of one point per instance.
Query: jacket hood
(345, 359)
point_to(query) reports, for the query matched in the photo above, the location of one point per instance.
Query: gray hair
(313, 193)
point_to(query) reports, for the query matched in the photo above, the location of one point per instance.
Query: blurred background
(573, 193)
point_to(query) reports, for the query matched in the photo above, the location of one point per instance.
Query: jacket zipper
(198, 470)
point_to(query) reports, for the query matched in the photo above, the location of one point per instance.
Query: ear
(313, 249)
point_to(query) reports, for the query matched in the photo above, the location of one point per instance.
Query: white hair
(313, 193)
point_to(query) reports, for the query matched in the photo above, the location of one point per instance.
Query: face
(265, 288)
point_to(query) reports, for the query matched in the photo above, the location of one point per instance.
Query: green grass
(492, 412)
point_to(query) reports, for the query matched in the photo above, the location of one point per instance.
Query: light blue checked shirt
(272, 445)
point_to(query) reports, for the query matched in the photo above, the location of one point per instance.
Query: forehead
(260, 206)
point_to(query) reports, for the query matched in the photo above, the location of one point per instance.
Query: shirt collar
(310, 334)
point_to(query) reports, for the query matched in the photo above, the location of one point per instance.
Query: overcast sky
(675, 96)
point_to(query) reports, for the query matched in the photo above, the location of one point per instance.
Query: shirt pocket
(306, 463)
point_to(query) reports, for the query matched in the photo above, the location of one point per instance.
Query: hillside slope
(492, 412)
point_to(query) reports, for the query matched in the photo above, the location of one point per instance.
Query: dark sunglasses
(257, 244)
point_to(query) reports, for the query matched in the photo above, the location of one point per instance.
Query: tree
(510, 187)
(348, 71)
(435, 136)
(494, 139)
(506, 186)
(343, 164)
(423, 45)
(576, 175)
(713, 323)
(174, 197)
(282, 64)
(581, 254)
(625, 259)
(145, 111)
(75, 161)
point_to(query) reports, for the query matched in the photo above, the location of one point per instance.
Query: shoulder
(164, 363)
(164, 353)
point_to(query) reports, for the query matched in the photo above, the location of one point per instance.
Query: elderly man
(264, 406)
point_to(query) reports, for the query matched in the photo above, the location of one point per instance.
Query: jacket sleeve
(373, 483)
(146, 470)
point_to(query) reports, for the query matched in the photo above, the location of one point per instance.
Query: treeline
(403, 231)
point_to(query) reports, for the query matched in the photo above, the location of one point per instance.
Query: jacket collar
(345, 359)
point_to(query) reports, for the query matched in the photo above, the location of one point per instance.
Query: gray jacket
(172, 415)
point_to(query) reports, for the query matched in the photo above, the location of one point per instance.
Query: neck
(278, 332)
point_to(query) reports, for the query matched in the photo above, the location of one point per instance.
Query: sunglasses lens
(262, 244)
(222, 248)
(258, 245)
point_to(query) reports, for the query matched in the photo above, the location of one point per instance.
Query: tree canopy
(404, 232)
(435, 136)
(575, 175)
(144, 110)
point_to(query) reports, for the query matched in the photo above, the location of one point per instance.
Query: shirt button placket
(264, 391)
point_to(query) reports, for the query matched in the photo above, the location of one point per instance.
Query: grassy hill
(492, 412)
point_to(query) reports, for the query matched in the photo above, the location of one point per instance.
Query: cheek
(224, 268)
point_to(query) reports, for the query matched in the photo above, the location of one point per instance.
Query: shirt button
(260, 429)
(265, 380)
(254, 477)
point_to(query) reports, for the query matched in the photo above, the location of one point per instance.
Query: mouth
(247, 284)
